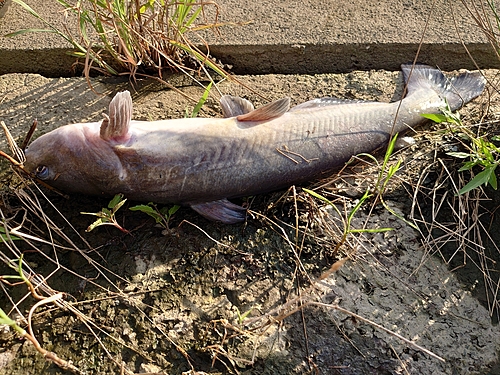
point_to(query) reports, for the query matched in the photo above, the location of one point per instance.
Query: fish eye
(42, 172)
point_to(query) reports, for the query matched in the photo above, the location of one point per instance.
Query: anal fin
(221, 210)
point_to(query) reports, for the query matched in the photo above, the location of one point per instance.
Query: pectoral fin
(221, 210)
(115, 127)
(233, 106)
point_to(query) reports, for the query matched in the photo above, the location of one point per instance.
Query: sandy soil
(174, 300)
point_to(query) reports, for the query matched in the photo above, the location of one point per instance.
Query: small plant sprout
(347, 223)
(20, 276)
(107, 215)
(386, 173)
(242, 317)
(480, 151)
(162, 216)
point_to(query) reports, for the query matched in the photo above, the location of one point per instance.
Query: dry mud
(176, 301)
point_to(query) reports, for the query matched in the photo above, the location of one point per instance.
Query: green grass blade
(199, 56)
(25, 31)
(319, 196)
(202, 100)
(437, 118)
(358, 205)
(373, 230)
(5, 237)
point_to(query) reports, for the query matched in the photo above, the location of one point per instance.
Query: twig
(50, 356)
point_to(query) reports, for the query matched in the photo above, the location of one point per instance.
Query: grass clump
(479, 151)
(117, 36)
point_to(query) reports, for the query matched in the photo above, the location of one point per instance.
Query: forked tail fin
(457, 90)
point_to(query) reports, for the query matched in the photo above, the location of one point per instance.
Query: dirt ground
(202, 297)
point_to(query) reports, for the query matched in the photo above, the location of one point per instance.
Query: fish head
(73, 159)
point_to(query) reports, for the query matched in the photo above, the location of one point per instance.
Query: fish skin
(202, 162)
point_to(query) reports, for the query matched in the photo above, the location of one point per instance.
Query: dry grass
(138, 39)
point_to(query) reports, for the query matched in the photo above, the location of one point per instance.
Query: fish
(205, 162)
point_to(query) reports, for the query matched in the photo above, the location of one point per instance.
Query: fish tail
(457, 90)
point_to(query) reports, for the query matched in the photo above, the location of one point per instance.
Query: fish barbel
(203, 162)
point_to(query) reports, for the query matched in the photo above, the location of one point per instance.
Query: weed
(347, 223)
(162, 216)
(480, 151)
(107, 215)
(117, 35)
(242, 317)
(20, 274)
(387, 172)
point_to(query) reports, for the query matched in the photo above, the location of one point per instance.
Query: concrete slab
(290, 37)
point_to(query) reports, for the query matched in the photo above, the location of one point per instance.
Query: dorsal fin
(267, 112)
(233, 106)
(116, 126)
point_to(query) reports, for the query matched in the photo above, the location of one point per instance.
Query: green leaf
(482, 178)
(118, 198)
(4, 319)
(147, 209)
(468, 166)
(143, 208)
(493, 181)
(436, 117)
(173, 210)
(26, 31)
(95, 224)
(390, 147)
(319, 196)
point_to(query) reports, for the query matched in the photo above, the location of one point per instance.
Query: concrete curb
(297, 37)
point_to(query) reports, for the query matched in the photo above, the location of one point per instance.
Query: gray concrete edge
(283, 59)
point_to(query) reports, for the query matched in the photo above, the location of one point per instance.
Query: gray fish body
(211, 160)
(201, 162)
